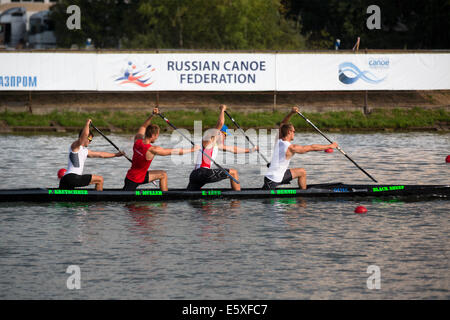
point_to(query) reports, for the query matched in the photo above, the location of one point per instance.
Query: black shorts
(201, 176)
(269, 184)
(131, 185)
(73, 180)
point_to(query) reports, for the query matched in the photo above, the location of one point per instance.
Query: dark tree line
(254, 24)
(405, 24)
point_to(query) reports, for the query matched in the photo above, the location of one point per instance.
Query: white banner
(222, 72)
(48, 71)
(186, 72)
(328, 72)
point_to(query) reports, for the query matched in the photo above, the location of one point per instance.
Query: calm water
(253, 249)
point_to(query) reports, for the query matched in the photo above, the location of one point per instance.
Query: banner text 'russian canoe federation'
(186, 72)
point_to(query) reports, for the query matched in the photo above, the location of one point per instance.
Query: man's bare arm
(221, 120)
(236, 149)
(286, 119)
(83, 137)
(294, 148)
(101, 154)
(156, 150)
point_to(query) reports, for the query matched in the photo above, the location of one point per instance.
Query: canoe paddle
(204, 153)
(117, 148)
(112, 143)
(248, 139)
(342, 151)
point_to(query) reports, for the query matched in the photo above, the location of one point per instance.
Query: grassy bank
(378, 119)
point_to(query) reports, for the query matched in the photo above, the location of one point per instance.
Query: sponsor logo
(350, 73)
(340, 190)
(379, 63)
(18, 81)
(131, 74)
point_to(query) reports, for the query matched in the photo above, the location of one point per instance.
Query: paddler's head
(211, 136)
(287, 132)
(89, 138)
(224, 132)
(152, 132)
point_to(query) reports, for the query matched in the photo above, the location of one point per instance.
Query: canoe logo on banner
(131, 74)
(349, 73)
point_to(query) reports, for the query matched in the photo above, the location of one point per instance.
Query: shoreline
(378, 120)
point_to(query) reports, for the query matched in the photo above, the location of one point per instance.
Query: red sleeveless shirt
(139, 164)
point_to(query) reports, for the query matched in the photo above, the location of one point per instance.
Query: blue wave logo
(354, 74)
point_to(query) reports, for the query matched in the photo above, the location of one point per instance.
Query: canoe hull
(322, 191)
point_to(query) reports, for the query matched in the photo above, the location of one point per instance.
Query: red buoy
(61, 173)
(447, 159)
(360, 209)
(330, 150)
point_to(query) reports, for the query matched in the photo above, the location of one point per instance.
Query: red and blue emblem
(140, 77)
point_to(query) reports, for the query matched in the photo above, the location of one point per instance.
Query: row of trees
(254, 24)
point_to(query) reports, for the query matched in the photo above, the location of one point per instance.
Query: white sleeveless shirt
(279, 163)
(76, 160)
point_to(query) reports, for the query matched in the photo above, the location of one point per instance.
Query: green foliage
(177, 24)
(379, 119)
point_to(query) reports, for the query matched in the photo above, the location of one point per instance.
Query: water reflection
(216, 217)
(147, 219)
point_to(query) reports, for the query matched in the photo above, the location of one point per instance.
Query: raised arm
(83, 137)
(141, 131)
(221, 120)
(286, 119)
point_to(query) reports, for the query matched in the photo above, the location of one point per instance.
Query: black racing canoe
(329, 190)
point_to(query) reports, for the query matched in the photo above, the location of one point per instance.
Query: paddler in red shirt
(143, 153)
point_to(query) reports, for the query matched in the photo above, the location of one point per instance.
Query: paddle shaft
(340, 150)
(107, 139)
(220, 167)
(248, 139)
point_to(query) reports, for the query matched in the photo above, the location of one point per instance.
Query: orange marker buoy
(360, 209)
(330, 150)
(447, 159)
(61, 173)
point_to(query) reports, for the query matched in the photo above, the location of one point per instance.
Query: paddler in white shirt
(78, 152)
(279, 172)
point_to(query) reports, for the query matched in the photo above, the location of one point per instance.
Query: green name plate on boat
(284, 191)
(389, 188)
(59, 191)
(149, 193)
(211, 193)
